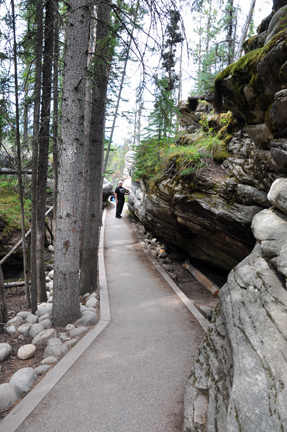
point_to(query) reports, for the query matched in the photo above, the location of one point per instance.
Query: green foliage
(156, 159)
(10, 212)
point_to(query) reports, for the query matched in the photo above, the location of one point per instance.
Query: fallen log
(14, 284)
(11, 171)
(210, 286)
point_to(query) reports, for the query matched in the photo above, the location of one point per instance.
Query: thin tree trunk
(3, 305)
(245, 29)
(56, 108)
(230, 55)
(36, 127)
(66, 308)
(44, 137)
(19, 162)
(88, 280)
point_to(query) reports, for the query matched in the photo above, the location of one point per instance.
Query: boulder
(47, 323)
(279, 153)
(23, 314)
(40, 370)
(11, 329)
(23, 380)
(49, 360)
(42, 338)
(16, 322)
(44, 310)
(278, 194)
(92, 302)
(24, 328)
(55, 348)
(36, 329)
(88, 319)
(26, 351)
(260, 134)
(44, 317)
(51, 274)
(5, 351)
(78, 331)
(31, 318)
(8, 396)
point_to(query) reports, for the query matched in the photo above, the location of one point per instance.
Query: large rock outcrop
(239, 379)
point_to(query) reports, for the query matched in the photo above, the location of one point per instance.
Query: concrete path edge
(24, 408)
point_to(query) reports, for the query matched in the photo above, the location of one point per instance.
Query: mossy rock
(253, 72)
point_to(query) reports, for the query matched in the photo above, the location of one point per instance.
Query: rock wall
(239, 380)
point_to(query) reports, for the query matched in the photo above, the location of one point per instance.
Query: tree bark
(96, 150)
(3, 305)
(245, 29)
(44, 136)
(66, 307)
(36, 127)
(21, 194)
(56, 108)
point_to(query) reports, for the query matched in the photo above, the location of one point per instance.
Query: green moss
(10, 212)
(244, 72)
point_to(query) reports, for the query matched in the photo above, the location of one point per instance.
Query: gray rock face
(245, 344)
(23, 380)
(277, 23)
(5, 351)
(107, 189)
(8, 396)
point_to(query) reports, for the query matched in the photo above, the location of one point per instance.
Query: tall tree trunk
(67, 245)
(245, 29)
(88, 109)
(230, 41)
(36, 127)
(3, 305)
(24, 244)
(56, 108)
(44, 137)
(96, 149)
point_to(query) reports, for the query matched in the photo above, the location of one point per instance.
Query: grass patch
(10, 211)
(156, 160)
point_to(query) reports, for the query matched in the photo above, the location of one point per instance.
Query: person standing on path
(120, 193)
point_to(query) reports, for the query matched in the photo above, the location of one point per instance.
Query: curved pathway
(132, 376)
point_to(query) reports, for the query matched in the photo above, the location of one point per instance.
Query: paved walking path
(132, 377)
